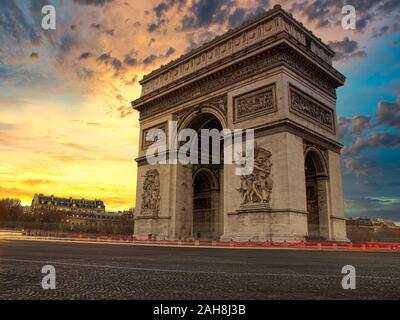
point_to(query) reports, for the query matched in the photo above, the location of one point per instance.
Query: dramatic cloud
(389, 6)
(359, 166)
(14, 23)
(98, 3)
(161, 10)
(368, 202)
(379, 207)
(113, 62)
(376, 140)
(95, 25)
(89, 69)
(35, 56)
(327, 13)
(380, 32)
(149, 59)
(66, 45)
(116, 64)
(354, 126)
(170, 52)
(130, 61)
(346, 49)
(153, 27)
(317, 11)
(359, 132)
(203, 13)
(164, 7)
(85, 55)
(388, 114)
(85, 73)
(104, 57)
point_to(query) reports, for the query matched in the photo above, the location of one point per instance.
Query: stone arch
(206, 200)
(186, 119)
(213, 177)
(205, 195)
(316, 180)
(318, 159)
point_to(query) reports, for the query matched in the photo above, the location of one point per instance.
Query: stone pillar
(323, 207)
(335, 191)
(284, 216)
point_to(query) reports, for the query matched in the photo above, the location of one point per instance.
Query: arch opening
(205, 206)
(207, 219)
(315, 178)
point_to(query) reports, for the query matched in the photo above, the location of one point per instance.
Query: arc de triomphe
(274, 76)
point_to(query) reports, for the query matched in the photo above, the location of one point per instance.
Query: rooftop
(54, 198)
(327, 51)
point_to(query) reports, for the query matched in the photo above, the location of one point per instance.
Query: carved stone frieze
(312, 110)
(254, 103)
(151, 194)
(222, 47)
(246, 69)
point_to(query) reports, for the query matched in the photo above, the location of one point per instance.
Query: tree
(10, 210)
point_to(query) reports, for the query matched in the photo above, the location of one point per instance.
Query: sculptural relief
(312, 110)
(251, 104)
(151, 193)
(243, 40)
(256, 188)
(247, 69)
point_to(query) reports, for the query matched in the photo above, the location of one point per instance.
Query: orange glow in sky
(66, 124)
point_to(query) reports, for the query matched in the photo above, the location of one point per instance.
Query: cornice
(284, 54)
(265, 26)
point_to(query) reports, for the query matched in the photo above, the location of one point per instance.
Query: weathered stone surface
(273, 76)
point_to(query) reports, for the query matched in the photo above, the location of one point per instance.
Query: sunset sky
(66, 125)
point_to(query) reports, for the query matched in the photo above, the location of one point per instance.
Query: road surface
(105, 271)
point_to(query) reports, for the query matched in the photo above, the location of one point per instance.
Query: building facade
(372, 230)
(41, 202)
(272, 75)
(108, 223)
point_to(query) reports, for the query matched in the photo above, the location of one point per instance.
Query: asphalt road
(102, 271)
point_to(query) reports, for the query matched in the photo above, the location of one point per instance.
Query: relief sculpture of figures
(256, 188)
(151, 193)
